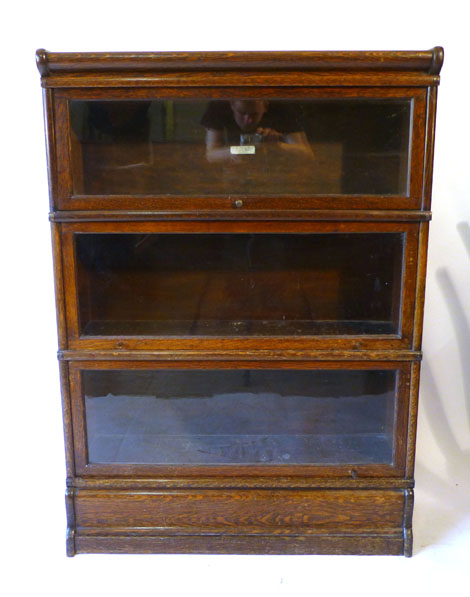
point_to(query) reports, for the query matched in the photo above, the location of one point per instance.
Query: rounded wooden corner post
(42, 62)
(437, 60)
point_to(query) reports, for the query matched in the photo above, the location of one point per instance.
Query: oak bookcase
(240, 246)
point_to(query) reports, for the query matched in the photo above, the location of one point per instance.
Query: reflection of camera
(250, 138)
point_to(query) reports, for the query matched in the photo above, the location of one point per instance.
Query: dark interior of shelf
(239, 284)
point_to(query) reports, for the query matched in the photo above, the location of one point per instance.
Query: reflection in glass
(239, 284)
(240, 146)
(240, 416)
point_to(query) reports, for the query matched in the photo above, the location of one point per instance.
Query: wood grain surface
(238, 508)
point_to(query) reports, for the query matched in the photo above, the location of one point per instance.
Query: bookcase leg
(407, 521)
(70, 510)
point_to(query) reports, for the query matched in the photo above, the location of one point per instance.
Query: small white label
(242, 149)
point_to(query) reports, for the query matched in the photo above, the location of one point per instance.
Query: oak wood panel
(412, 420)
(421, 285)
(62, 165)
(211, 207)
(353, 522)
(240, 482)
(387, 544)
(243, 512)
(300, 92)
(184, 79)
(429, 156)
(57, 254)
(240, 355)
(241, 214)
(67, 418)
(49, 131)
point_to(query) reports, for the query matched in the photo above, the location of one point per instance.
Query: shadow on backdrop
(446, 507)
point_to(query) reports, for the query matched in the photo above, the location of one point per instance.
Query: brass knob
(238, 203)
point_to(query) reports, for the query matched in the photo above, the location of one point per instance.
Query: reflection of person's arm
(297, 143)
(216, 150)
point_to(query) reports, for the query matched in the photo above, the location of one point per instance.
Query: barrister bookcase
(240, 247)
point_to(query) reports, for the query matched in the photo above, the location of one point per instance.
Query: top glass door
(241, 146)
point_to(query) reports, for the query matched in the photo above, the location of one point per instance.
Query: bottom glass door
(252, 416)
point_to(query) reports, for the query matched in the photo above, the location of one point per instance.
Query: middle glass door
(239, 285)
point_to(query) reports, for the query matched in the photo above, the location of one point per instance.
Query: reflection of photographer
(253, 123)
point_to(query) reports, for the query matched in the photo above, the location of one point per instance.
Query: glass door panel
(240, 146)
(249, 416)
(239, 284)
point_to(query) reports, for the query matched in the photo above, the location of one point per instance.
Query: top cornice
(77, 69)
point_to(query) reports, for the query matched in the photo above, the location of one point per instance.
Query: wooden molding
(156, 68)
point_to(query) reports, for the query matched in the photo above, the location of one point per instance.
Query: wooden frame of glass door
(401, 340)
(62, 167)
(402, 427)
